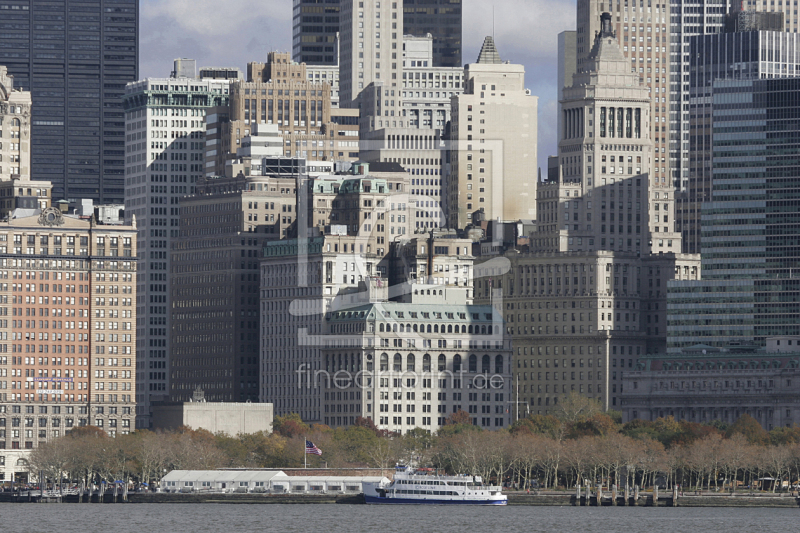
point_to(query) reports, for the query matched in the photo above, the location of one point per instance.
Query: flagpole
(305, 454)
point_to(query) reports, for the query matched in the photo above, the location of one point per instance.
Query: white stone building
(408, 365)
(165, 151)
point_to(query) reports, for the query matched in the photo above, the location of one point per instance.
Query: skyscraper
(738, 55)
(686, 24)
(442, 20)
(750, 288)
(592, 291)
(494, 143)
(643, 37)
(371, 35)
(165, 143)
(315, 24)
(75, 58)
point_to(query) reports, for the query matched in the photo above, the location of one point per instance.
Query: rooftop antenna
(492, 21)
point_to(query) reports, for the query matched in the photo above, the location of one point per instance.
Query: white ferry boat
(423, 487)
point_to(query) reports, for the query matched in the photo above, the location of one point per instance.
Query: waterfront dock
(540, 498)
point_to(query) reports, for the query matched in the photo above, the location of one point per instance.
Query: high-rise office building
(165, 146)
(493, 148)
(370, 55)
(688, 18)
(591, 294)
(738, 55)
(75, 58)
(441, 19)
(750, 288)
(315, 24)
(416, 139)
(215, 319)
(567, 65)
(642, 32)
(790, 20)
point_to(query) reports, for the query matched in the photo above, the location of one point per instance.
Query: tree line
(578, 444)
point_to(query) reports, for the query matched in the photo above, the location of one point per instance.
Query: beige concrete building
(217, 417)
(67, 303)
(569, 314)
(593, 289)
(606, 162)
(643, 36)
(707, 384)
(280, 92)
(440, 258)
(370, 54)
(494, 148)
(15, 129)
(416, 139)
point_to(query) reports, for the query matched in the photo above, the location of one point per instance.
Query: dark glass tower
(315, 24)
(750, 286)
(75, 56)
(440, 18)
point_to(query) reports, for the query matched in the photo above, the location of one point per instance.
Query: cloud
(229, 33)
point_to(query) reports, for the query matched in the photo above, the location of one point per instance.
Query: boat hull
(432, 501)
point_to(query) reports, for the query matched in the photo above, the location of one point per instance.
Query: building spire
(489, 53)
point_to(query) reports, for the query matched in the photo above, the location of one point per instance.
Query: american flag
(310, 448)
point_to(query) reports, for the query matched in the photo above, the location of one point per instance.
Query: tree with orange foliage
(290, 426)
(749, 427)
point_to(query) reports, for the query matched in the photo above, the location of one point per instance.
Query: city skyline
(524, 37)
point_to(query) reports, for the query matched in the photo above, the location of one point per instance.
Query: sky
(234, 32)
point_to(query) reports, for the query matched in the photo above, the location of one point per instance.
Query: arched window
(485, 364)
(450, 328)
(442, 363)
(426, 362)
(498, 364)
(397, 364)
(429, 328)
(408, 328)
(436, 328)
(473, 363)
(415, 328)
(394, 328)
(384, 361)
(380, 328)
(483, 330)
(463, 329)
(469, 329)
(402, 328)
(410, 363)
(456, 363)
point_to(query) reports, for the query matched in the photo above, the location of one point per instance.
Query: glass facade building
(751, 227)
(745, 55)
(75, 57)
(440, 18)
(315, 24)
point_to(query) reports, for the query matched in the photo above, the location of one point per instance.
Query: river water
(312, 518)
